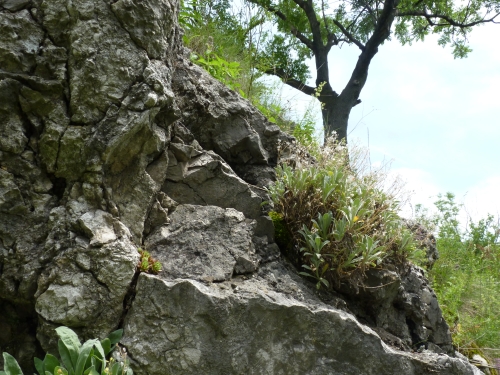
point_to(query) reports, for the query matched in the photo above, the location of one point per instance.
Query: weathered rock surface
(248, 327)
(402, 308)
(206, 179)
(111, 140)
(205, 243)
(227, 125)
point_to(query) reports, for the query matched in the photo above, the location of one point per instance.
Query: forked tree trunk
(336, 110)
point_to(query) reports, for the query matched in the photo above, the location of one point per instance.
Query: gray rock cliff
(111, 140)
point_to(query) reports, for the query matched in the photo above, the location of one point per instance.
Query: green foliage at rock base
(89, 358)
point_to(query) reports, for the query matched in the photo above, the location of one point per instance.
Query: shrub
(76, 359)
(341, 220)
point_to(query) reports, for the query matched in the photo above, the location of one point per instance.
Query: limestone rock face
(402, 308)
(206, 243)
(112, 140)
(248, 327)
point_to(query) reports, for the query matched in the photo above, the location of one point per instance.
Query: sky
(436, 119)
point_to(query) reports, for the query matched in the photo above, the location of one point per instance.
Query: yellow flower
(355, 219)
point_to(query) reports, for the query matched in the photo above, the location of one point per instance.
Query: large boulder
(248, 326)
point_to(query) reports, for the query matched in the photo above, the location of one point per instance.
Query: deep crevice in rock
(58, 186)
(129, 298)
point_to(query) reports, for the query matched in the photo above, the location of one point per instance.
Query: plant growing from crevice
(89, 358)
(341, 220)
(147, 263)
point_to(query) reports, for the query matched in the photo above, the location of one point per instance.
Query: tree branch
(293, 30)
(351, 92)
(295, 83)
(308, 8)
(449, 21)
(332, 39)
(349, 36)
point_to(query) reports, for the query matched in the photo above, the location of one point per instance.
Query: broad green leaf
(10, 365)
(99, 357)
(115, 337)
(100, 350)
(88, 362)
(66, 357)
(71, 342)
(307, 274)
(50, 363)
(83, 355)
(39, 365)
(106, 345)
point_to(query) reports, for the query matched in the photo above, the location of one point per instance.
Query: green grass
(466, 279)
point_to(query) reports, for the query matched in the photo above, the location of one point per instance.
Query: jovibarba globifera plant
(147, 263)
(89, 358)
(341, 220)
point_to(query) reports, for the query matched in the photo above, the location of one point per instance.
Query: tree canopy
(311, 28)
(299, 30)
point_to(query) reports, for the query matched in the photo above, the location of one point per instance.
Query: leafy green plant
(88, 358)
(339, 217)
(225, 71)
(317, 263)
(147, 263)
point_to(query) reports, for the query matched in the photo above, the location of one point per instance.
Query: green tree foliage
(311, 28)
(222, 42)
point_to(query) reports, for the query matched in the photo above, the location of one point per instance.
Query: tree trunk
(335, 118)
(336, 110)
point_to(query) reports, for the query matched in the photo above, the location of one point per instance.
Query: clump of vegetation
(89, 358)
(341, 220)
(147, 263)
(466, 277)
